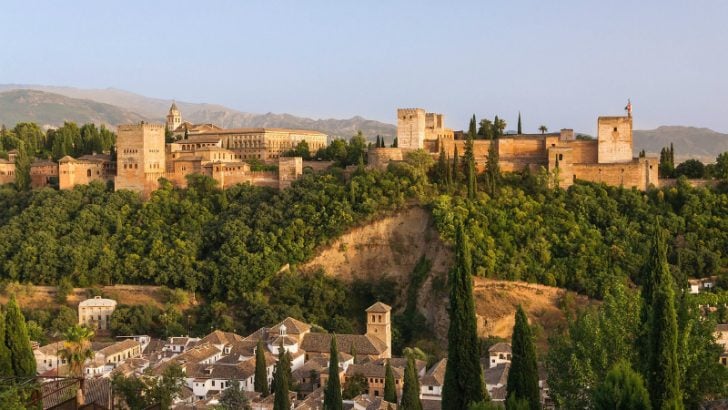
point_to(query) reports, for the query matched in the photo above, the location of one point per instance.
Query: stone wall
(380, 157)
(289, 170)
(639, 173)
(584, 152)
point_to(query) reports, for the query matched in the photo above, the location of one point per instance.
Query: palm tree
(77, 348)
(543, 129)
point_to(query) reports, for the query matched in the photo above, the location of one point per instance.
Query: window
(615, 129)
(430, 388)
(88, 172)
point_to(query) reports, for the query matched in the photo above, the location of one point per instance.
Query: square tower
(140, 157)
(379, 325)
(410, 128)
(614, 135)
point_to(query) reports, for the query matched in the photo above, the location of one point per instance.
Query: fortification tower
(140, 157)
(614, 139)
(410, 128)
(379, 325)
(174, 118)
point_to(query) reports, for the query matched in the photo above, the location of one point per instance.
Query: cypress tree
(448, 172)
(261, 374)
(442, 168)
(520, 130)
(6, 364)
(470, 160)
(395, 143)
(492, 169)
(17, 340)
(456, 166)
(663, 372)
(332, 395)
(464, 383)
(411, 387)
(281, 380)
(390, 393)
(523, 375)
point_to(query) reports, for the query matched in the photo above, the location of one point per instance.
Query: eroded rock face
(392, 246)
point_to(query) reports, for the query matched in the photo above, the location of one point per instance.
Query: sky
(560, 63)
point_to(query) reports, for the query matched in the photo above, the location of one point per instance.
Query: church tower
(174, 118)
(379, 325)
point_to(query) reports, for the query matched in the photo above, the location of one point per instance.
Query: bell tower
(379, 325)
(174, 118)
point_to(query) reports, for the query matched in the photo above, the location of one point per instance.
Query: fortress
(607, 159)
(232, 156)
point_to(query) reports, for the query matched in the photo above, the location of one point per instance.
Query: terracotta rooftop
(120, 347)
(436, 375)
(500, 348)
(379, 307)
(497, 375)
(52, 348)
(362, 344)
(218, 337)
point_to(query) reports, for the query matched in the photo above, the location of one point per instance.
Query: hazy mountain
(48, 109)
(155, 109)
(689, 142)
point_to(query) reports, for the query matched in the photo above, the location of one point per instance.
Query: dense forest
(229, 245)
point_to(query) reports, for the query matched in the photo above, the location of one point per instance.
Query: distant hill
(48, 109)
(155, 109)
(689, 142)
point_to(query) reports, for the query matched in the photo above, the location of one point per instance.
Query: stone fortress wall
(607, 159)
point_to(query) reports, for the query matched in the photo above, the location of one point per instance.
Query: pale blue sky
(561, 63)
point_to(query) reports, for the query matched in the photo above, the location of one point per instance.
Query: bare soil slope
(30, 296)
(392, 246)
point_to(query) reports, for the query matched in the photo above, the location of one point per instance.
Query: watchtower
(614, 135)
(379, 325)
(140, 157)
(410, 128)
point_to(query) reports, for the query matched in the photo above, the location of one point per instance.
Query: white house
(96, 313)
(499, 353)
(48, 357)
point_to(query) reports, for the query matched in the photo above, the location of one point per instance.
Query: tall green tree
(261, 373)
(523, 375)
(471, 177)
(463, 375)
(520, 129)
(390, 391)
(492, 169)
(6, 363)
(663, 373)
(456, 173)
(233, 398)
(282, 380)
(623, 389)
(332, 394)
(22, 167)
(17, 340)
(411, 387)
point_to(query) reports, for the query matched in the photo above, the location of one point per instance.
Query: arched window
(88, 172)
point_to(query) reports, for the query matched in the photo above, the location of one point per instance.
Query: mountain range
(42, 104)
(50, 106)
